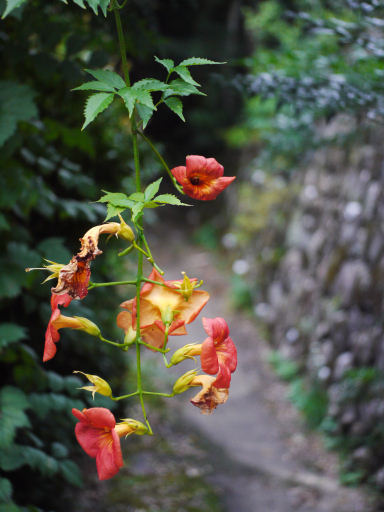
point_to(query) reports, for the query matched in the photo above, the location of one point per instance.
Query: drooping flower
(99, 436)
(74, 278)
(202, 178)
(59, 321)
(218, 352)
(210, 395)
(164, 305)
(52, 335)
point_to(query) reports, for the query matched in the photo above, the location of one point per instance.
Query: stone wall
(314, 252)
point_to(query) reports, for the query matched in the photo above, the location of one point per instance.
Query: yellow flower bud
(130, 336)
(129, 426)
(183, 382)
(87, 326)
(125, 232)
(99, 385)
(186, 352)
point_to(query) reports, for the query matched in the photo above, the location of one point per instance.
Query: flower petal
(109, 458)
(209, 361)
(100, 417)
(180, 174)
(195, 163)
(216, 328)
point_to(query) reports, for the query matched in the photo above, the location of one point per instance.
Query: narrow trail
(261, 454)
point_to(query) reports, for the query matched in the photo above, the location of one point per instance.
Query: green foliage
(118, 202)
(311, 63)
(96, 104)
(16, 104)
(139, 94)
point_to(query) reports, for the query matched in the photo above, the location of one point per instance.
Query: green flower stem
(150, 257)
(167, 395)
(162, 161)
(163, 351)
(116, 398)
(154, 282)
(168, 365)
(126, 251)
(112, 283)
(141, 250)
(120, 345)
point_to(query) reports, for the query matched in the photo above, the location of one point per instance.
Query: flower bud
(183, 382)
(186, 352)
(99, 385)
(125, 232)
(130, 426)
(87, 326)
(130, 336)
(167, 315)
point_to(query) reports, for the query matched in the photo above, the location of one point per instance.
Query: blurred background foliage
(313, 111)
(51, 175)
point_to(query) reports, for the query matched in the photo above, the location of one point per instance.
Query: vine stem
(139, 276)
(162, 161)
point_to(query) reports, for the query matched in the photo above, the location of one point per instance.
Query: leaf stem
(120, 345)
(116, 398)
(167, 395)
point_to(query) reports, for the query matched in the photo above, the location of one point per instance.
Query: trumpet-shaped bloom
(164, 304)
(218, 352)
(202, 178)
(52, 335)
(97, 435)
(59, 321)
(210, 396)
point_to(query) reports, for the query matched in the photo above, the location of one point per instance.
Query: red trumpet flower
(202, 178)
(218, 352)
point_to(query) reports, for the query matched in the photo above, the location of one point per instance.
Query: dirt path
(262, 458)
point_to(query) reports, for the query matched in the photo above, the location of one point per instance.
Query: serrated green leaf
(96, 104)
(93, 4)
(185, 74)
(129, 97)
(113, 211)
(136, 211)
(167, 63)
(169, 199)
(145, 114)
(11, 5)
(5, 490)
(198, 61)
(94, 85)
(16, 104)
(176, 105)
(9, 333)
(151, 84)
(144, 97)
(137, 196)
(152, 189)
(107, 77)
(112, 197)
(180, 88)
